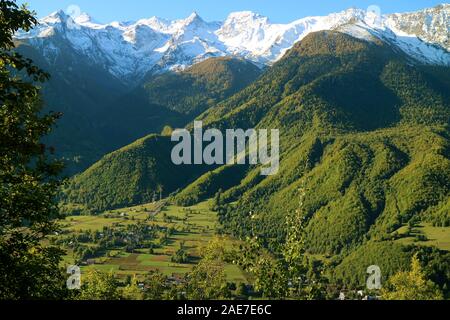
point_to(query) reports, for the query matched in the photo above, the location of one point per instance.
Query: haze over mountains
(132, 50)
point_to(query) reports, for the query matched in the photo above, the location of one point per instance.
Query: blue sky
(280, 11)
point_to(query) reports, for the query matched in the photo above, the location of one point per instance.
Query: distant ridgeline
(101, 113)
(364, 134)
(115, 82)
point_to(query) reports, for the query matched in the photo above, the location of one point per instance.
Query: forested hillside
(201, 86)
(137, 173)
(101, 113)
(363, 132)
(364, 150)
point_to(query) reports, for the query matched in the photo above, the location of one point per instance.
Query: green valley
(364, 150)
(165, 231)
(133, 190)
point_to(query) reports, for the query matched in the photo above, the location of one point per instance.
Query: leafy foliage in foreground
(28, 178)
(411, 285)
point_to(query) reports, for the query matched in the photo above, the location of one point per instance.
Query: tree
(207, 281)
(181, 255)
(132, 290)
(217, 201)
(268, 273)
(98, 285)
(411, 285)
(158, 287)
(28, 178)
(293, 249)
(160, 189)
(167, 131)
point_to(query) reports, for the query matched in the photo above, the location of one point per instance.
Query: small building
(90, 262)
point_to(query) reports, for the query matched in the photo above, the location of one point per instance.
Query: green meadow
(426, 235)
(194, 227)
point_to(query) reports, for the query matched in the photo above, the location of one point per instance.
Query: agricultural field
(163, 230)
(425, 234)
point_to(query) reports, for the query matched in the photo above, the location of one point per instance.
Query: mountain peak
(61, 16)
(244, 16)
(83, 18)
(245, 34)
(154, 22)
(55, 17)
(440, 7)
(355, 13)
(193, 17)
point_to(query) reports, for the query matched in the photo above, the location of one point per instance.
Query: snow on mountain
(130, 50)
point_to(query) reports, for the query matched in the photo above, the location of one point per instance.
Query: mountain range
(117, 82)
(130, 51)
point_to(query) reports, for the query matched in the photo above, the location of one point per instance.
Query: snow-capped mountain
(130, 50)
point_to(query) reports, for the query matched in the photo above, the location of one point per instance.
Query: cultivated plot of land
(190, 228)
(427, 235)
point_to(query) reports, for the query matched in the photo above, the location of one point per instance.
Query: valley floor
(192, 229)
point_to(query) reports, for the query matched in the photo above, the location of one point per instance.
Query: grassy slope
(434, 236)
